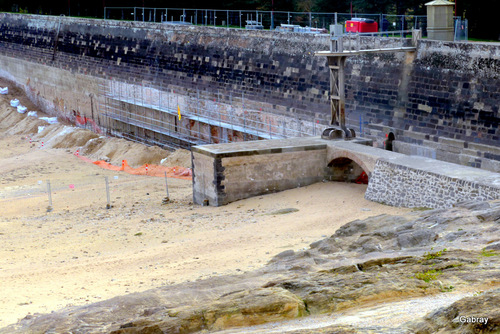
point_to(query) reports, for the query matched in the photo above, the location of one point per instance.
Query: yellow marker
(179, 112)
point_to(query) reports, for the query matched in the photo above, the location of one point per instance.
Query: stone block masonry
(442, 100)
(270, 76)
(225, 173)
(271, 68)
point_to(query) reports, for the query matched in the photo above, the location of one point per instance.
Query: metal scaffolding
(193, 117)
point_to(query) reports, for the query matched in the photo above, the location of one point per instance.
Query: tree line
(483, 18)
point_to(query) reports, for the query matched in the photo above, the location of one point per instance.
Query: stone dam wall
(440, 102)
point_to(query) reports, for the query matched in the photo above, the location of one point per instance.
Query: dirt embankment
(90, 144)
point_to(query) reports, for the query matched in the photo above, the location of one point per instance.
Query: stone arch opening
(343, 169)
(388, 142)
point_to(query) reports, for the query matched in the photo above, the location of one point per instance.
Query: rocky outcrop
(478, 314)
(378, 259)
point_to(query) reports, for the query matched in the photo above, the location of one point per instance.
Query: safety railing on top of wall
(307, 22)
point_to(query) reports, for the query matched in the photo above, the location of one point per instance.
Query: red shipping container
(361, 25)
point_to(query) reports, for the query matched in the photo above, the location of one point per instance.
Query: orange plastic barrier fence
(82, 120)
(150, 170)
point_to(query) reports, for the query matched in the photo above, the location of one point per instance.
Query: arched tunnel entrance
(346, 170)
(388, 143)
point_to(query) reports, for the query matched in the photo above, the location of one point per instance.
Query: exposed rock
(487, 215)
(241, 308)
(283, 211)
(378, 259)
(284, 254)
(416, 238)
(493, 246)
(473, 205)
(478, 314)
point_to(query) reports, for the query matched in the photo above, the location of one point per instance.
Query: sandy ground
(82, 253)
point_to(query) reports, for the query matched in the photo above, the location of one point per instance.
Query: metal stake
(166, 184)
(166, 199)
(108, 205)
(49, 192)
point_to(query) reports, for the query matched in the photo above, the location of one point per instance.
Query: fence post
(108, 205)
(166, 185)
(402, 25)
(49, 192)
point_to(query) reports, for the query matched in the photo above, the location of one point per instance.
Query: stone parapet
(419, 182)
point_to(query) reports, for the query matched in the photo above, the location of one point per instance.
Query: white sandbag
(50, 120)
(41, 128)
(4, 91)
(14, 103)
(21, 109)
(32, 113)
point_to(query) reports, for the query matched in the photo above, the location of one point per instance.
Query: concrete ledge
(240, 149)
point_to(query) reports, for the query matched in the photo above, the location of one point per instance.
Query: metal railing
(266, 19)
(356, 42)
